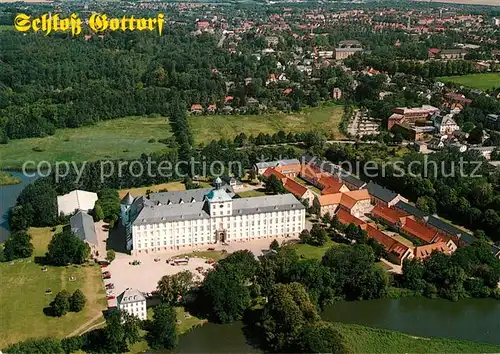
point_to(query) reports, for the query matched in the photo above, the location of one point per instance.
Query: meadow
(485, 81)
(324, 119)
(129, 137)
(125, 138)
(23, 298)
(361, 339)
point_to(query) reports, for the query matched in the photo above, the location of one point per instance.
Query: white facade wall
(192, 233)
(137, 309)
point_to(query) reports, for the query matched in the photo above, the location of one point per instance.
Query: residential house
(329, 185)
(337, 93)
(493, 121)
(133, 302)
(445, 125)
(196, 108)
(212, 108)
(82, 225)
(75, 201)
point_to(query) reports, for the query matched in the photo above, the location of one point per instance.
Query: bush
(37, 149)
(110, 255)
(152, 140)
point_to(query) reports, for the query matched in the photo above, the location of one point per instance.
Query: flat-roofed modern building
(193, 218)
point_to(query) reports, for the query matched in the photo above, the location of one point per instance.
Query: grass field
(170, 186)
(118, 138)
(361, 339)
(323, 119)
(313, 252)
(22, 295)
(252, 193)
(478, 81)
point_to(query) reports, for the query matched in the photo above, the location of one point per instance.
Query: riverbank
(362, 339)
(358, 338)
(7, 179)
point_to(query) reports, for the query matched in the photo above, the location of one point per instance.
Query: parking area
(145, 276)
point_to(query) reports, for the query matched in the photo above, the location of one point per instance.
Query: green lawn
(22, 296)
(313, 252)
(361, 339)
(323, 119)
(216, 255)
(252, 193)
(118, 138)
(478, 81)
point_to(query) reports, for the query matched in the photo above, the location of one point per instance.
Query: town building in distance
(184, 219)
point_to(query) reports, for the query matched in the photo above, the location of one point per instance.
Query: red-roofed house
(228, 98)
(196, 108)
(212, 108)
(423, 252)
(287, 91)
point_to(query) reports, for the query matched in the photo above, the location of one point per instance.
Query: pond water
(471, 319)
(8, 197)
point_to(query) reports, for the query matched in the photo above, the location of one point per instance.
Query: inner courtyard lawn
(23, 299)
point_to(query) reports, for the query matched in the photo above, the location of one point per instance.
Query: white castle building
(185, 219)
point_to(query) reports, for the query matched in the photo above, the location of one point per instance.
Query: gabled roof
(82, 225)
(380, 192)
(422, 252)
(421, 231)
(329, 199)
(450, 229)
(410, 209)
(295, 188)
(392, 216)
(130, 296)
(127, 199)
(390, 245)
(346, 218)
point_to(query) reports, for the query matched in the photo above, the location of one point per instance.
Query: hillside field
(477, 81)
(321, 119)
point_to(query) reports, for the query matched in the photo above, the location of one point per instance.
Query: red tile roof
(196, 107)
(295, 188)
(346, 218)
(390, 245)
(420, 231)
(271, 171)
(392, 216)
(423, 252)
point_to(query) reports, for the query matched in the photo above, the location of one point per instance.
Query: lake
(8, 197)
(470, 319)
